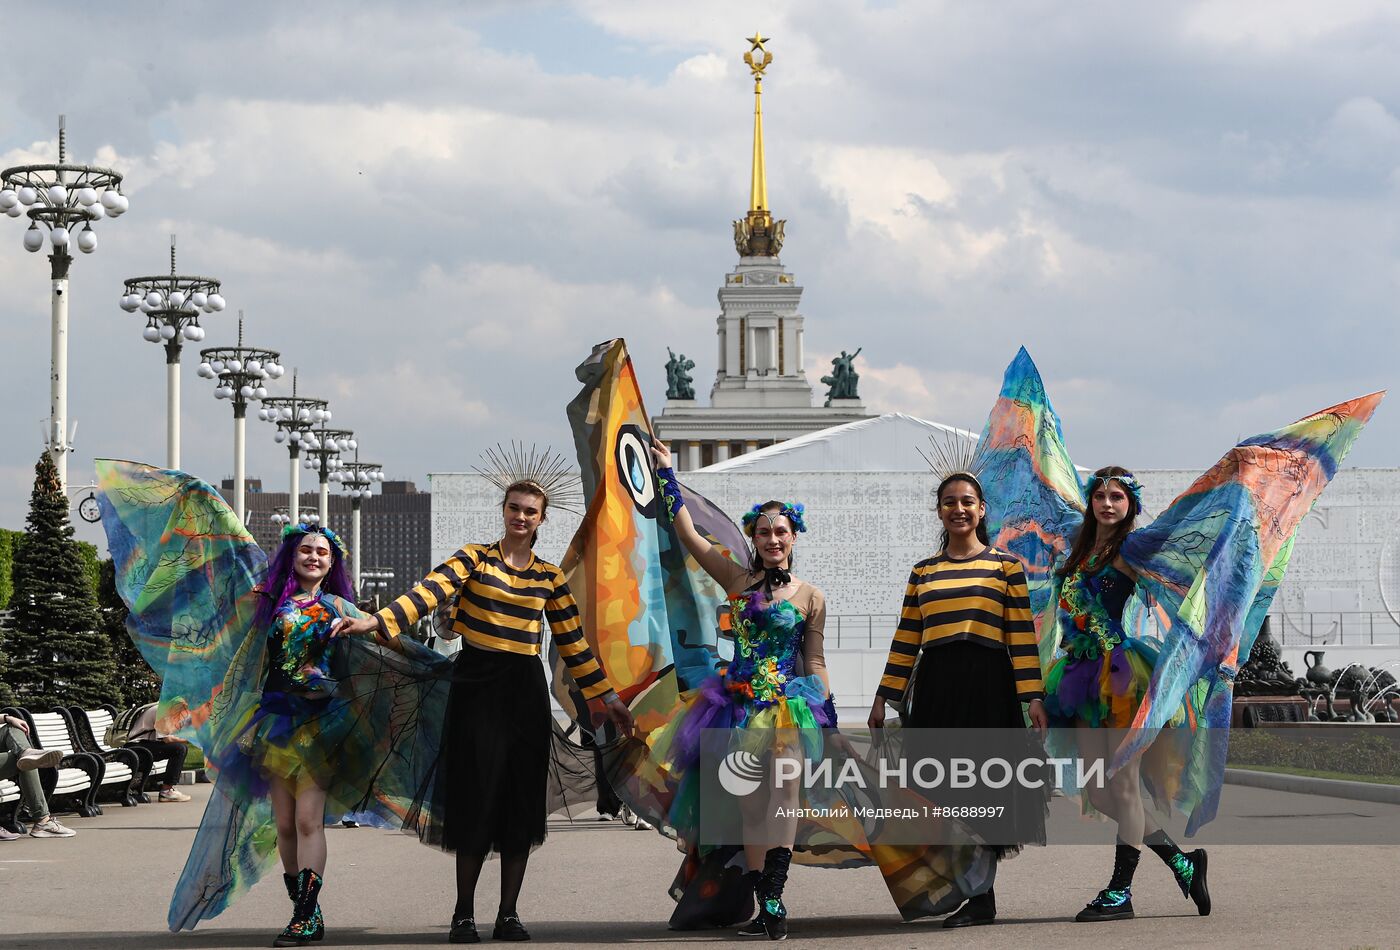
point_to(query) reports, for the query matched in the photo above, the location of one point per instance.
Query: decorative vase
(1318, 675)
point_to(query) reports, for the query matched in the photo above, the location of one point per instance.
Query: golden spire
(757, 234)
(758, 187)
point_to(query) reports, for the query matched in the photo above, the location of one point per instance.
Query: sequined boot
(1188, 869)
(771, 921)
(1115, 902)
(306, 924)
(290, 880)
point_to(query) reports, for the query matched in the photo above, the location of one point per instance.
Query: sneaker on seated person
(48, 827)
(7, 835)
(31, 759)
(173, 794)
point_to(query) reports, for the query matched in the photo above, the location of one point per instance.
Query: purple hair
(282, 582)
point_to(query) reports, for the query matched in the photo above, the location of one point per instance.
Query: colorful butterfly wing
(1033, 491)
(1214, 559)
(188, 570)
(649, 611)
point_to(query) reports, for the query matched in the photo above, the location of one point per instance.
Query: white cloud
(1188, 217)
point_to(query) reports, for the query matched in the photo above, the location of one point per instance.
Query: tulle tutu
(790, 726)
(301, 739)
(1103, 690)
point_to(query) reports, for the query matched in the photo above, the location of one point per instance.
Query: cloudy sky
(1187, 212)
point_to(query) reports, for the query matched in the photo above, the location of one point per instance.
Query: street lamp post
(294, 416)
(242, 372)
(357, 478)
(376, 580)
(282, 516)
(323, 449)
(172, 304)
(58, 198)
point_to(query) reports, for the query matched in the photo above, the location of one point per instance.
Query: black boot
(771, 921)
(306, 924)
(981, 909)
(1188, 869)
(1115, 902)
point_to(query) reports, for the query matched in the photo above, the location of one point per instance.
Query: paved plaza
(599, 883)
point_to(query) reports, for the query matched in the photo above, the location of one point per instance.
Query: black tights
(469, 872)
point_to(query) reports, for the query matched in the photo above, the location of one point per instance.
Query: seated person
(19, 761)
(167, 753)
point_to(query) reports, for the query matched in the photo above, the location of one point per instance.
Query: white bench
(51, 731)
(91, 726)
(74, 777)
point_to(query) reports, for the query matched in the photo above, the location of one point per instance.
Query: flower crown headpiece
(793, 512)
(544, 469)
(304, 528)
(1129, 482)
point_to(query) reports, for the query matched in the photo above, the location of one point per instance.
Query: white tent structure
(887, 443)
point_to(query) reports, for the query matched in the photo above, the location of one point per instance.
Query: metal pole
(172, 410)
(238, 427)
(325, 505)
(355, 541)
(58, 382)
(295, 506)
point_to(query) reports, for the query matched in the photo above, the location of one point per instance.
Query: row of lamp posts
(63, 202)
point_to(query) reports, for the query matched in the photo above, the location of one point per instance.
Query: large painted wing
(649, 611)
(1035, 499)
(1213, 561)
(188, 570)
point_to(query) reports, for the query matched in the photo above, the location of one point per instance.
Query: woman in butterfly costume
(776, 686)
(1203, 573)
(299, 727)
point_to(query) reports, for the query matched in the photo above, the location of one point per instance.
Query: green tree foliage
(58, 652)
(9, 540)
(137, 681)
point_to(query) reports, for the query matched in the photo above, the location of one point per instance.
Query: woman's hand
(1039, 718)
(660, 454)
(877, 714)
(616, 712)
(350, 626)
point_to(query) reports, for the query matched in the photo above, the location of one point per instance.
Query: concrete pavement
(598, 883)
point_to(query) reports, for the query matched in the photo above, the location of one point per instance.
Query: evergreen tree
(58, 651)
(138, 683)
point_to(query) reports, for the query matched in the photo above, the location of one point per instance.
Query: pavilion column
(692, 455)
(722, 450)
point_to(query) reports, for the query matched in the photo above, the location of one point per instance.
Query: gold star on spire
(757, 64)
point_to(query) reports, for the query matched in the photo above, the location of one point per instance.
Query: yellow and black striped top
(500, 607)
(982, 599)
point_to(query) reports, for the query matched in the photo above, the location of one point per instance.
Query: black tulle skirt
(505, 764)
(489, 792)
(967, 687)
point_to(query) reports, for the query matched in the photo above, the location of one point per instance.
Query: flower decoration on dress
(304, 528)
(1129, 482)
(793, 512)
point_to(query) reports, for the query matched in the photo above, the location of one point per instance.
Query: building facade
(395, 528)
(761, 395)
